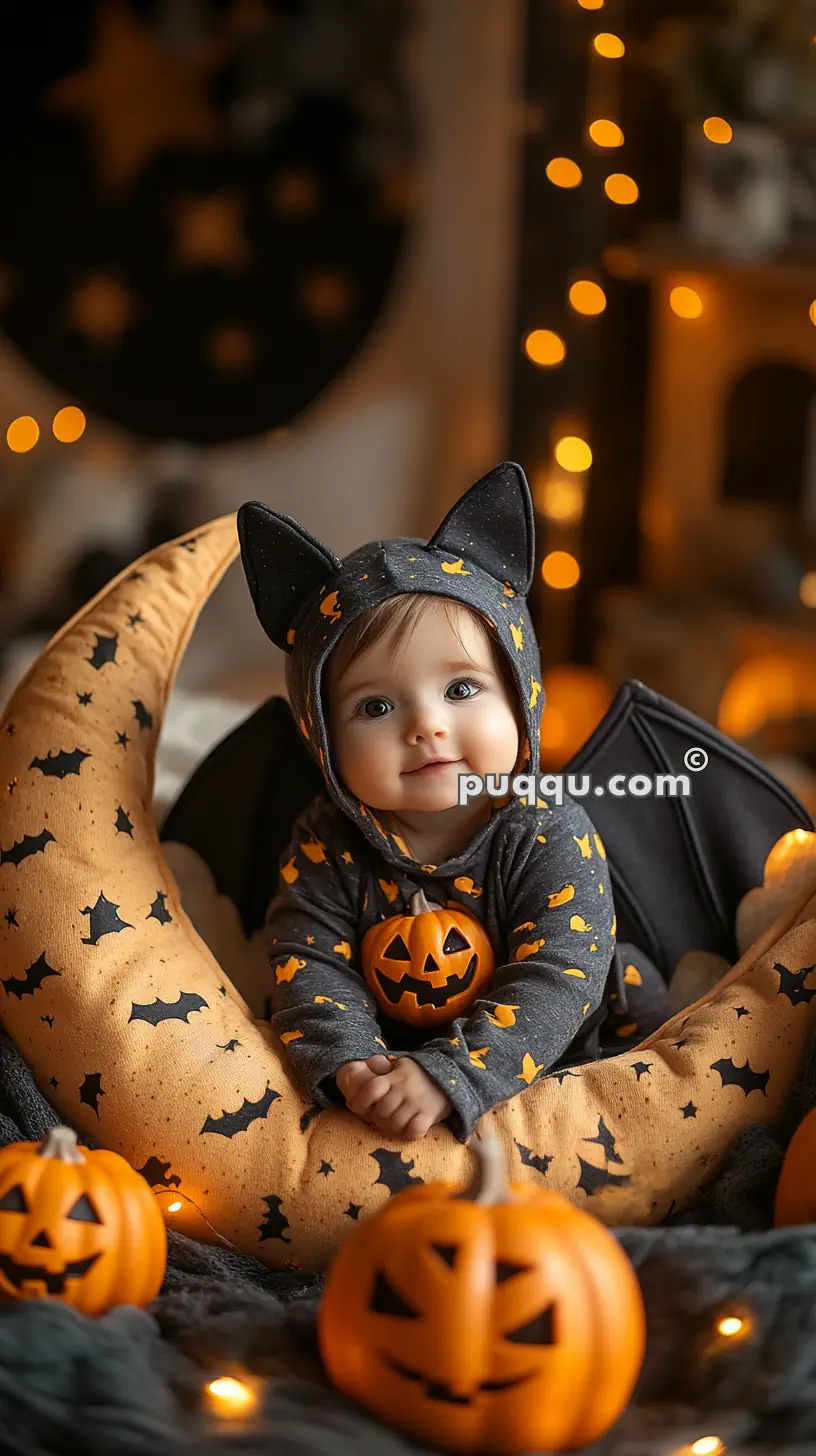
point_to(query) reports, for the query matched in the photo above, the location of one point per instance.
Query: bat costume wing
(680, 865)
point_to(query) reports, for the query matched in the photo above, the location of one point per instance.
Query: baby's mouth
(433, 767)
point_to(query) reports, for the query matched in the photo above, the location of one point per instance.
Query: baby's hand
(396, 1096)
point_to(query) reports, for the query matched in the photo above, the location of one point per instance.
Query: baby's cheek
(495, 741)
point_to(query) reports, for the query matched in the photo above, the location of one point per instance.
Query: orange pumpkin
(77, 1226)
(487, 1319)
(796, 1189)
(427, 967)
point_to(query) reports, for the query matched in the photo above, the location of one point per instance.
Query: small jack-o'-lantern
(426, 968)
(487, 1319)
(77, 1226)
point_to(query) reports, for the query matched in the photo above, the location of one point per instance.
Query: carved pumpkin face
(78, 1226)
(426, 968)
(498, 1326)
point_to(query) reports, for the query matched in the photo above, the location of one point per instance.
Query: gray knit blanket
(131, 1381)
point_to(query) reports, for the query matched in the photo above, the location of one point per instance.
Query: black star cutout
(325, 1168)
(681, 1043)
(353, 1211)
(123, 824)
(11, 918)
(689, 1110)
(122, 739)
(641, 1068)
(10, 730)
(742, 1011)
(134, 619)
(223, 990)
(84, 698)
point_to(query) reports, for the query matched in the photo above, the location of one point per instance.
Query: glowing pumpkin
(77, 1226)
(427, 967)
(487, 1319)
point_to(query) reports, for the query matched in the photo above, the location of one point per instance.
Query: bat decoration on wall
(744, 1076)
(104, 650)
(28, 845)
(158, 1010)
(32, 980)
(592, 1180)
(158, 1174)
(157, 910)
(91, 1090)
(104, 920)
(142, 716)
(792, 983)
(395, 1170)
(539, 1161)
(230, 1123)
(59, 765)
(275, 1223)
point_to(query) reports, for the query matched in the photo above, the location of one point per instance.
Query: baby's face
(394, 710)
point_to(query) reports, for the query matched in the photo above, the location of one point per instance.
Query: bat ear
(492, 524)
(284, 565)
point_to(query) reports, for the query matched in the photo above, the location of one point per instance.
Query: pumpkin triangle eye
(397, 950)
(447, 1252)
(538, 1331)
(505, 1270)
(386, 1300)
(454, 940)
(14, 1201)
(83, 1210)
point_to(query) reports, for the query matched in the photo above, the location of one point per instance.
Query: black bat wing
(29, 844)
(229, 1123)
(792, 983)
(59, 765)
(680, 865)
(158, 1010)
(396, 1172)
(744, 1076)
(32, 980)
(539, 1161)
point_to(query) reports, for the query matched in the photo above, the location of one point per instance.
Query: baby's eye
(371, 707)
(470, 687)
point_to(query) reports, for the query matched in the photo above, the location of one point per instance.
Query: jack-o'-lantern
(79, 1226)
(427, 967)
(486, 1319)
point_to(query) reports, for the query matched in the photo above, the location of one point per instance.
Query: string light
(563, 172)
(587, 297)
(708, 1446)
(685, 302)
(69, 424)
(174, 1207)
(22, 434)
(619, 187)
(560, 570)
(230, 1397)
(591, 4)
(611, 47)
(730, 1325)
(606, 133)
(717, 129)
(812, 312)
(573, 453)
(560, 499)
(544, 347)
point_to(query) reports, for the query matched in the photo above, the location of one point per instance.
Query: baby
(412, 663)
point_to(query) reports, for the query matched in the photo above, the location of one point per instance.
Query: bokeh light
(707, 1446)
(587, 297)
(730, 1325)
(560, 570)
(544, 347)
(619, 187)
(560, 498)
(807, 589)
(610, 46)
(717, 129)
(685, 302)
(591, 4)
(573, 453)
(812, 312)
(563, 172)
(606, 133)
(69, 424)
(230, 1397)
(22, 434)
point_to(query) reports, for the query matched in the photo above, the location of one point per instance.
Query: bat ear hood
(492, 524)
(284, 565)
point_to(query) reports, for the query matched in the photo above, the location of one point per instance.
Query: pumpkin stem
(489, 1182)
(419, 904)
(61, 1143)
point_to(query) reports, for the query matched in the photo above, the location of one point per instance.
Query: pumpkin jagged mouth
(425, 993)
(438, 1390)
(20, 1274)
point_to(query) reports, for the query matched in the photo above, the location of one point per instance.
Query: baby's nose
(427, 721)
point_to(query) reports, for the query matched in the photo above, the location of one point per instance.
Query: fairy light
(563, 172)
(812, 312)
(22, 434)
(591, 4)
(560, 570)
(708, 1446)
(606, 133)
(730, 1325)
(621, 188)
(230, 1398)
(587, 297)
(544, 347)
(807, 589)
(68, 425)
(718, 130)
(174, 1207)
(573, 453)
(610, 46)
(685, 302)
